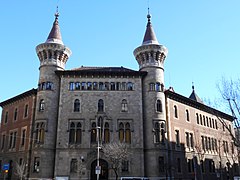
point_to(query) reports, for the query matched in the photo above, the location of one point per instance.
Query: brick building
(168, 135)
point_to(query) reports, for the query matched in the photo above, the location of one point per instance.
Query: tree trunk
(116, 174)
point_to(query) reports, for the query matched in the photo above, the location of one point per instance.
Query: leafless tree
(21, 170)
(230, 92)
(116, 153)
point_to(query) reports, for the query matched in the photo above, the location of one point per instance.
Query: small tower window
(187, 115)
(41, 105)
(93, 133)
(124, 105)
(15, 114)
(100, 105)
(159, 105)
(76, 105)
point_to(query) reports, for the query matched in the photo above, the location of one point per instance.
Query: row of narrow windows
(15, 114)
(159, 87)
(102, 86)
(10, 141)
(45, 86)
(207, 143)
(206, 121)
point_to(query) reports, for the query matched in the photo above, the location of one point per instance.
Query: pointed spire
(55, 34)
(194, 96)
(149, 37)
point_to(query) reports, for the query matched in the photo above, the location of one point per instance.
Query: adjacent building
(54, 128)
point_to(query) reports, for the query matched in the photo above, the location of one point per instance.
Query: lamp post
(98, 147)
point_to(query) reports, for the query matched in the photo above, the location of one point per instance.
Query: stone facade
(167, 135)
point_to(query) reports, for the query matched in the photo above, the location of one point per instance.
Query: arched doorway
(104, 170)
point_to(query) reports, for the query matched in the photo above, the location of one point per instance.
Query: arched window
(121, 132)
(156, 132)
(159, 105)
(129, 86)
(93, 133)
(100, 105)
(197, 118)
(187, 115)
(15, 114)
(42, 133)
(128, 133)
(79, 133)
(124, 105)
(201, 122)
(106, 133)
(71, 133)
(41, 105)
(76, 105)
(175, 111)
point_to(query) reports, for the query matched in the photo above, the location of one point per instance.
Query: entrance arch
(104, 170)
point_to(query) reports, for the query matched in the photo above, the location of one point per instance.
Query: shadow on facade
(186, 164)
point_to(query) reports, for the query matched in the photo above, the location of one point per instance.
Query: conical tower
(150, 57)
(53, 55)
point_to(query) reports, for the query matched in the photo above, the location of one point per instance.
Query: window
(128, 133)
(23, 137)
(124, 86)
(40, 132)
(177, 137)
(202, 166)
(189, 140)
(124, 105)
(95, 85)
(213, 123)
(187, 115)
(71, 86)
(201, 122)
(75, 133)
(207, 122)
(112, 86)
(159, 132)
(125, 166)
(175, 111)
(129, 86)
(100, 105)
(118, 86)
(211, 166)
(179, 169)
(197, 117)
(73, 166)
(41, 105)
(49, 86)
(89, 86)
(121, 132)
(159, 105)
(15, 114)
(3, 141)
(216, 125)
(101, 86)
(161, 164)
(107, 86)
(106, 133)
(158, 87)
(152, 87)
(83, 86)
(125, 132)
(203, 143)
(26, 110)
(204, 121)
(14, 139)
(76, 105)
(10, 140)
(93, 133)
(77, 86)
(36, 164)
(190, 165)
(6, 118)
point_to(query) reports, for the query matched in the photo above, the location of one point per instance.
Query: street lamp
(98, 148)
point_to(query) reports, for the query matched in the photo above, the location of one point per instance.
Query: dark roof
(195, 97)
(55, 34)
(149, 37)
(197, 105)
(101, 71)
(18, 97)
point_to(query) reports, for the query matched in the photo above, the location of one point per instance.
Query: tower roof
(149, 37)
(194, 96)
(55, 34)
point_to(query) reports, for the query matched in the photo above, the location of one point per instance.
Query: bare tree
(230, 92)
(116, 153)
(21, 170)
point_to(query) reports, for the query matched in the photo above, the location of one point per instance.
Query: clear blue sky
(202, 36)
